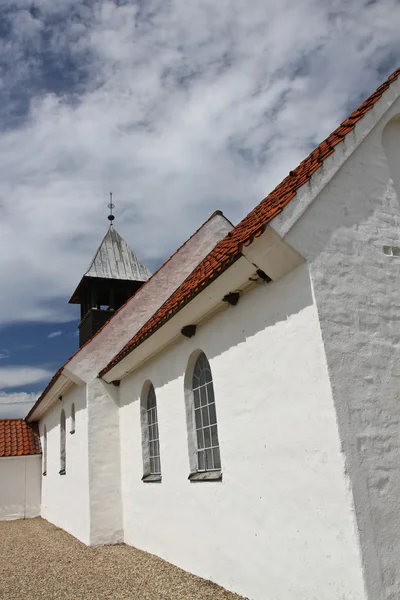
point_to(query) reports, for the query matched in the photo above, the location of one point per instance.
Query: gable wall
(65, 498)
(357, 291)
(281, 519)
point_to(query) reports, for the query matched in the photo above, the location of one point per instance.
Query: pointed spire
(115, 260)
(111, 217)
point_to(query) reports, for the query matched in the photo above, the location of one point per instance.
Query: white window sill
(151, 478)
(205, 476)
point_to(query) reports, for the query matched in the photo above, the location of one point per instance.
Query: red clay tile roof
(228, 249)
(18, 438)
(60, 370)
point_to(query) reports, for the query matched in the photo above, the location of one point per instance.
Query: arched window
(205, 417)
(44, 450)
(72, 418)
(62, 444)
(150, 435)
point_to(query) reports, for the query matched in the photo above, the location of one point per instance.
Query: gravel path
(38, 561)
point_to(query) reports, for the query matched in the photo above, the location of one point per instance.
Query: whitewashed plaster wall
(103, 434)
(104, 464)
(65, 498)
(280, 524)
(357, 291)
(20, 487)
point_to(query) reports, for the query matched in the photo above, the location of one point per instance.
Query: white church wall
(280, 523)
(20, 487)
(104, 464)
(103, 442)
(345, 235)
(65, 498)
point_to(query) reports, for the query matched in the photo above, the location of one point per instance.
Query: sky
(179, 108)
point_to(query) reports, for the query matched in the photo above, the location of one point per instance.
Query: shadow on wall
(260, 309)
(71, 408)
(391, 146)
(345, 209)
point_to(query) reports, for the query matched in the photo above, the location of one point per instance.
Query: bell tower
(113, 276)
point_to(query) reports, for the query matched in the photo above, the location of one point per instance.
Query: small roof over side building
(18, 438)
(113, 260)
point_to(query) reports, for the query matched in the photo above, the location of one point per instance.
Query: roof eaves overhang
(76, 297)
(200, 308)
(60, 386)
(268, 253)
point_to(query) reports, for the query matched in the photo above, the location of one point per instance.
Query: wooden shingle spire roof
(114, 260)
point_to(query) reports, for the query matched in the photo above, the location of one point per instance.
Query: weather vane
(111, 206)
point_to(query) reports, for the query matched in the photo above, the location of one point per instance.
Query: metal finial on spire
(111, 206)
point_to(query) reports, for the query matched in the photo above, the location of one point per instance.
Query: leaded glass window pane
(217, 459)
(200, 458)
(213, 416)
(208, 455)
(197, 416)
(196, 398)
(153, 435)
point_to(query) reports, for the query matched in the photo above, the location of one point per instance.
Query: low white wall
(20, 487)
(65, 498)
(280, 524)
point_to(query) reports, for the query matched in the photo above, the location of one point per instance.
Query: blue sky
(179, 108)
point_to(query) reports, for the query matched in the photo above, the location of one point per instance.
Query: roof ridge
(251, 226)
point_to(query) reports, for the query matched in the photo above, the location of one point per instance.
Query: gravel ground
(38, 561)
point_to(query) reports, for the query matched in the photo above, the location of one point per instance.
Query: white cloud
(4, 353)
(177, 107)
(55, 334)
(16, 405)
(15, 376)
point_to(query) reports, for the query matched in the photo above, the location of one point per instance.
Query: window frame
(196, 473)
(72, 429)
(150, 431)
(63, 443)
(44, 465)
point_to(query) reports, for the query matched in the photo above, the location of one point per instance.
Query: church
(237, 412)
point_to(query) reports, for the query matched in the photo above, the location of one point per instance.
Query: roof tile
(18, 438)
